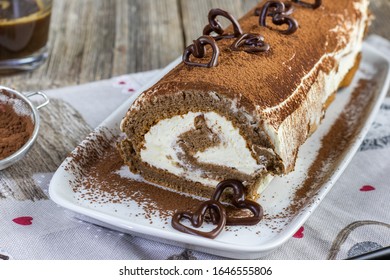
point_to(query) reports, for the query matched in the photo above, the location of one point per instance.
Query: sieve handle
(44, 96)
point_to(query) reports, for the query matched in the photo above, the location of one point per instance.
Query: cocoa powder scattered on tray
(335, 143)
(15, 130)
(98, 163)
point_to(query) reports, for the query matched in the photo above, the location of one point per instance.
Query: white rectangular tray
(242, 242)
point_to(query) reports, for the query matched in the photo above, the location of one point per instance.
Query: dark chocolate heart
(288, 10)
(198, 217)
(239, 201)
(215, 26)
(280, 16)
(250, 43)
(315, 5)
(198, 50)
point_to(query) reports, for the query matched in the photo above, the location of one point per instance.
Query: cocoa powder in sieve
(15, 130)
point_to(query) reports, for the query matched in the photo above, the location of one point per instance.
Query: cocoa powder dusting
(334, 143)
(15, 130)
(265, 80)
(101, 181)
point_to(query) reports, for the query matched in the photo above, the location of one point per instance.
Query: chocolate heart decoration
(315, 5)
(215, 26)
(250, 43)
(277, 10)
(289, 9)
(239, 201)
(197, 218)
(198, 50)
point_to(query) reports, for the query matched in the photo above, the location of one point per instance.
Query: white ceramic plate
(242, 242)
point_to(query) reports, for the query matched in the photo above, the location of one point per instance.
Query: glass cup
(24, 30)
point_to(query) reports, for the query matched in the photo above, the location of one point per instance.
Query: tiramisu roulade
(245, 98)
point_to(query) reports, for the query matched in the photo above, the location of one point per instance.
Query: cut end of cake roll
(191, 140)
(246, 117)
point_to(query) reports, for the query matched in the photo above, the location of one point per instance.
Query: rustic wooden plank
(247, 5)
(381, 22)
(155, 36)
(97, 39)
(194, 15)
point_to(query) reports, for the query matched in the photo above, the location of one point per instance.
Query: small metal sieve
(22, 105)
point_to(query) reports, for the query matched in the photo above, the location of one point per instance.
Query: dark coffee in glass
(24, 30)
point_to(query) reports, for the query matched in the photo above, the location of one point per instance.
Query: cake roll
(245, 98)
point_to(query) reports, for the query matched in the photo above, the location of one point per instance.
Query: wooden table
(97, 39)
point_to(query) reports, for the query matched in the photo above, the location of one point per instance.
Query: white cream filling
(161, 147)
